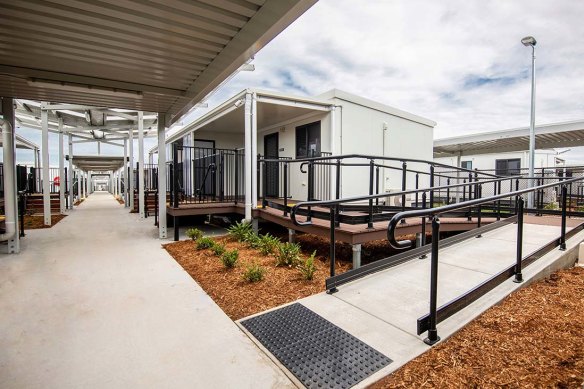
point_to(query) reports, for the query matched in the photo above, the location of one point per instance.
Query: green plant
(252, 240)
(307, 268)
(240, 230)
(254, 273)
(552, 206)
(194, 233)
(218, 249)
(229, 258)
(287, 254)
(205, 243)
(268, 244)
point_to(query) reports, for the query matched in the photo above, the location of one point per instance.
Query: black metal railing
(430, 321)
(205, 175)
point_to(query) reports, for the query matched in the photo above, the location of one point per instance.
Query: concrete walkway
(95, 302)
(382, 309)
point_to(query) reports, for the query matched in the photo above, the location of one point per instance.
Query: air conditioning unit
(396, 201)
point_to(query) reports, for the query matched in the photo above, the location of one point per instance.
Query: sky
(459, 63)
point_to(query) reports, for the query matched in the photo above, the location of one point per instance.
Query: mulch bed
(533, 339)
(34, 222)
(239, 298)
(120, 201)
(78, 202)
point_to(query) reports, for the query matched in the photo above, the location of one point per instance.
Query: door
(271, 150)
(204, 165)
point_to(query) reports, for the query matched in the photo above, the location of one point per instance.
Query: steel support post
(141, 202)
(79, 181)
(45, 163)
(70, 176)
(161, 177)
(332, 246)
(125, 172)
(131, 173)
(564, 209)
(10, 182)
(62, 182)
(254, 152)
(248, 167)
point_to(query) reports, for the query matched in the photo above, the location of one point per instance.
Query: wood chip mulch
(237, 297)
(35, 222)
(533, 339)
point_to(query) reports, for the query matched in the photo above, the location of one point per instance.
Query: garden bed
(239, 298)
(533, 339)
(34, 222)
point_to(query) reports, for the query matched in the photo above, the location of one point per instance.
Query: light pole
(530, 41)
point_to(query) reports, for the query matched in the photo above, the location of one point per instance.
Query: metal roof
(23, 143)
(547, 136)
(145, 55)
(97, 162)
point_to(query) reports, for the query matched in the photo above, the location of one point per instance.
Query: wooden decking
(348, 233)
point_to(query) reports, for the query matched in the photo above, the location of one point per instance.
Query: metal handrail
(330, 203)
(456, 206)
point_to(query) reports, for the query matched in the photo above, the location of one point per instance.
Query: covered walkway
(96, 302)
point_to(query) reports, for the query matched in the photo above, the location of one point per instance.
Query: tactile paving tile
(317, 352)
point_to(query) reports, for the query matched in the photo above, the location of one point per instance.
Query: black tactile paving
(317, 352)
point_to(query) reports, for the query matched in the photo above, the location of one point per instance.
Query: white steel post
(125, 172)
(161, 178)
(62, 181)
(142, 206)
(79, 181)
(248, 155)
(89, 183)
(254, 152)
(45, 162)
(36, 158)
(70, 175)
(10, 184)
(332, 174)
(131, 174)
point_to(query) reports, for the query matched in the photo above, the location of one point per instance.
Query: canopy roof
(548, 136)
(145, 55)
(97, 162)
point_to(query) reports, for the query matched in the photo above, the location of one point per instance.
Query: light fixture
(238, 103)
(529, 41)
(83, 88)
(247, 67)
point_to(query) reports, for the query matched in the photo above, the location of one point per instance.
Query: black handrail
(329, 203)
(431, 212)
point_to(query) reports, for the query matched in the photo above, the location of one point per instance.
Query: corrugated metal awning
(147, 55)
(549, 136)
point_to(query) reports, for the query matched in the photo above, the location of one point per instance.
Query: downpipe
(9, 181)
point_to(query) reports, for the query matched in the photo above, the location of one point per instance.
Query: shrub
(252, 240)
(218, 249)
(552, 206)
(205, 243)
(229, 258)
(287, 254)
(240, 230)
(307, 268)
(254, 273)
(194, 233)
(268, 244)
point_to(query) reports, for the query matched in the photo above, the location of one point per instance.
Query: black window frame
(507, 170)
(466, 165)
(311, 130)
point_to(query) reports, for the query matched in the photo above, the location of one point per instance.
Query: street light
(530, 41)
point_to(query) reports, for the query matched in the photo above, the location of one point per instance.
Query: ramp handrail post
(333, 289)
(377, 184)
(564, 206)
(370, 212)
(236, 175)
(264, 182)
(479, 215)
(285, 188)
(498, 201)
(519, 204)
(417, 187)
(448, 191)
(175, 175)
(310, 189)
(431, 186)
(432, 331)
(404, 178)
(337, 190)
(423, 237)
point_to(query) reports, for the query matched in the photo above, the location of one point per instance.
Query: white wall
(543, 158)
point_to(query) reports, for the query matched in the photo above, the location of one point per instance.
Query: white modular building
(257, 123)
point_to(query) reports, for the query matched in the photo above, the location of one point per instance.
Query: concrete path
(95, 302)
(382, 309)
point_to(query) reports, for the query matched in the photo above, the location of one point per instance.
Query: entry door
(203, 160)
(271, 150)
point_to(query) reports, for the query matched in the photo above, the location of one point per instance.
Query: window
(466, 165)
(308, 140)
(508, 167)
